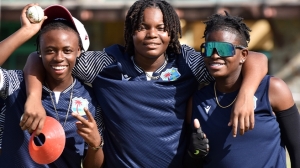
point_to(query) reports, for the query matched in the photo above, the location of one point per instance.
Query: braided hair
(229, 23)
(56, 25)
(134, 19)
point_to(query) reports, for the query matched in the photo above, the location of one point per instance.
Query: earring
(40, 56)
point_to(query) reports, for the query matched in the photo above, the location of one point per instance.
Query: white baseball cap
(56, 12)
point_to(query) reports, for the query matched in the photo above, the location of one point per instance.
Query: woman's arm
(11, 43)
(197, 147)
(34, 112)
(254, 69)
(287, 116)
(88, 130)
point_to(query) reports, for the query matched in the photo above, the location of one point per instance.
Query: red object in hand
(54, 139)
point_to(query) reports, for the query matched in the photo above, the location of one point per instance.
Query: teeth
(58, 67)
(216, 64)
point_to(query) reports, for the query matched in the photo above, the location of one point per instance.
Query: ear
(39, 53)
(244, 55)
(79, 52)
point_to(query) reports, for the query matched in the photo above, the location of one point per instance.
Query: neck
(227, 85)
(149, 64)
(59, 85)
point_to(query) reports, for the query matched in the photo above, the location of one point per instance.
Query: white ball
(35, 14)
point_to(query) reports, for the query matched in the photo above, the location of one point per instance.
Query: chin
(153, 54)
(217, 75)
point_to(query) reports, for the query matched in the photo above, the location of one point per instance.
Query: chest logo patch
(78, 104)
(207, 108)
(171, 74)
(125, 77)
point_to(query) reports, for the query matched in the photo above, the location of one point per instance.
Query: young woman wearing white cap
(66, 99)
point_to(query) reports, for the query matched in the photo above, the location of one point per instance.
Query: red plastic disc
(53, 145)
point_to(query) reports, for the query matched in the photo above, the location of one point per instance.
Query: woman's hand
(87, 128)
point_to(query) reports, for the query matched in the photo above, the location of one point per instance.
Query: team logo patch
(207, 108)
(78, 104)
(254, 99)
(125, 77)
(170, 74)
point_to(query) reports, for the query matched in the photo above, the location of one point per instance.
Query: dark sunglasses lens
(223, 49)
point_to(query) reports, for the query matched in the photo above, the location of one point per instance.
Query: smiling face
(151, 41)
(224, 67)
(59, 49)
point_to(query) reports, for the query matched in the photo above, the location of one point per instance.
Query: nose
(59, 57)
(152, 33)
(215, 54)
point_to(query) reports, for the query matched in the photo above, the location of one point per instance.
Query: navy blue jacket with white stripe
(144, 120)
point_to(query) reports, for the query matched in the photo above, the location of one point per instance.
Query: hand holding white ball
(35, 14)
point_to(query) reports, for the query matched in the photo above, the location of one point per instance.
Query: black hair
(134, 19)
(56, 25)
(229, 23)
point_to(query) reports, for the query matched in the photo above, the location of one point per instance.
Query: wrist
(27, 32)
(246, 93)
(32, 95)
(247, 90)
(95, 148)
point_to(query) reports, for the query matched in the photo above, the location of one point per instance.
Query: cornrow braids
(230, 23)
(134, 19)
(56, 25)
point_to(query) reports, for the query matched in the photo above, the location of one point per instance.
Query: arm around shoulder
(34, 112)
(254, 69)
(34, 74)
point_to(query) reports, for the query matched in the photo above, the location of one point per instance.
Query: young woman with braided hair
(277, 120)
(143, 89)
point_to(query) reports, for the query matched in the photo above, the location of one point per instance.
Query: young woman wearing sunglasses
(276, 115)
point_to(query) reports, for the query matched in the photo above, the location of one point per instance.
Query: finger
(246, 124)
(40, 126)
(205, 141)
(88, 114)
(23, 120)
(231, 119)
(252, 121)
(84, 129)
(24, 10)
(234, 126)
(80, 118)
(27, 124)
(79, 125)
(242, 126)
(82, 134)
(27, 6)
(33, 125)
(197, 125)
